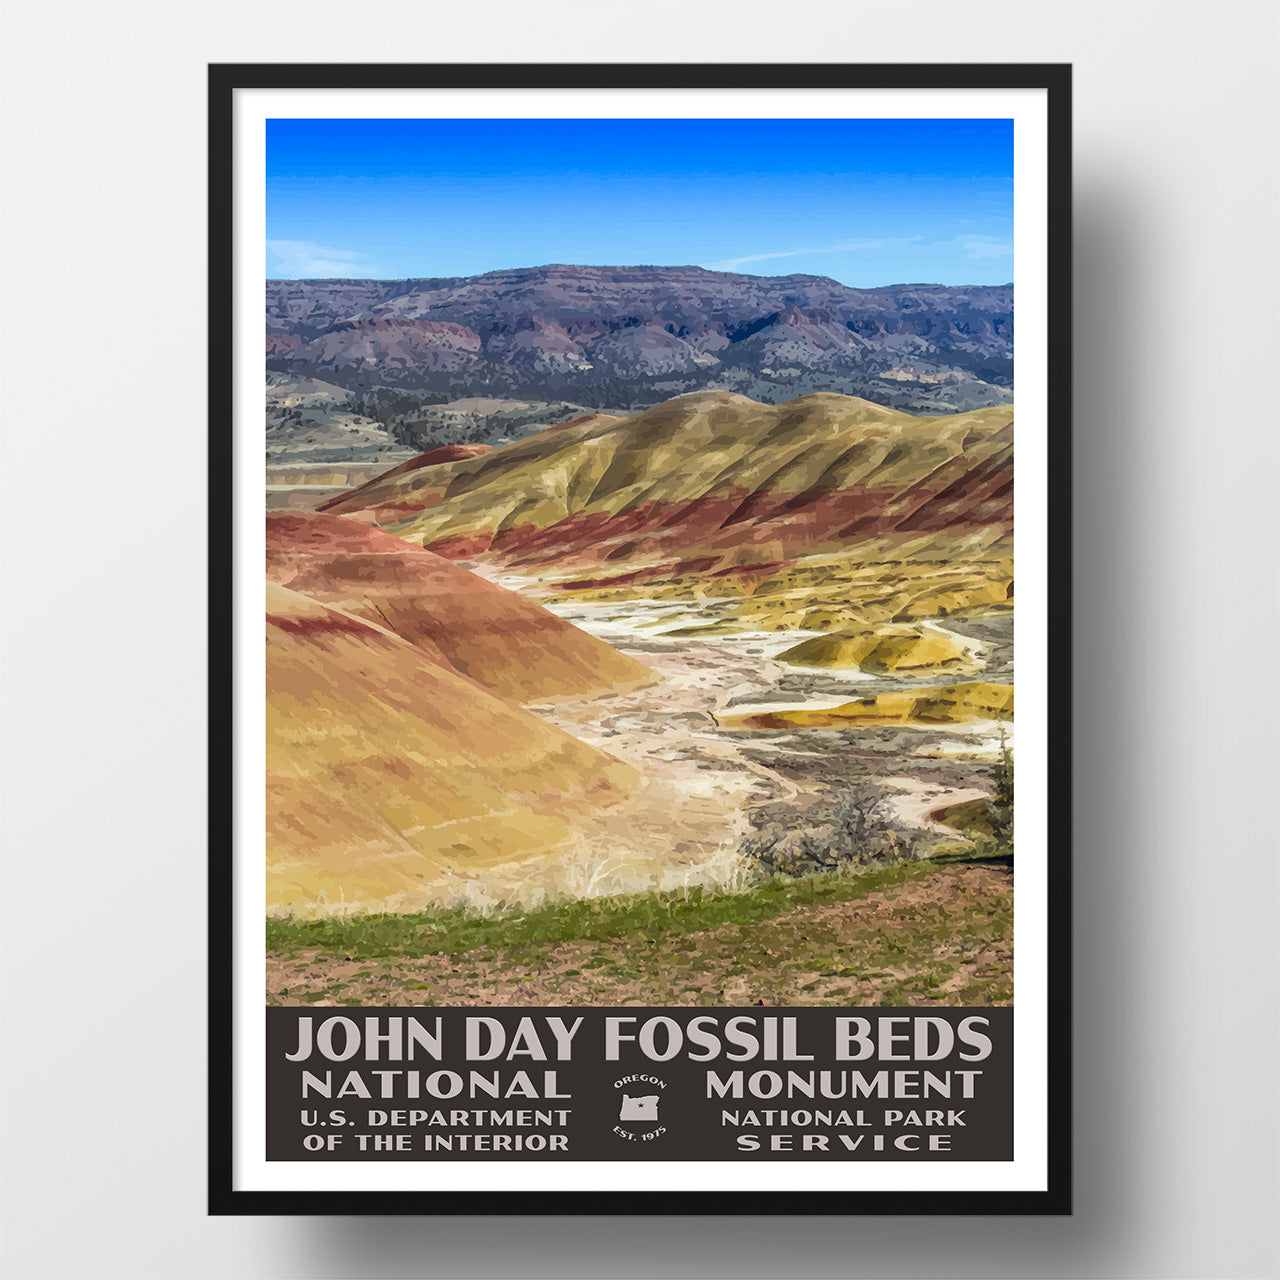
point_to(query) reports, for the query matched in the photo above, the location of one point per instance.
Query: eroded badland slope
(825, 513)
(772, 603)
(506, 642)
(388, 770)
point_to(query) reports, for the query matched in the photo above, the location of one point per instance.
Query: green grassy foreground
(523, 933)
(924, 931)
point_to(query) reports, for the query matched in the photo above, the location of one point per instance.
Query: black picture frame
(224, 80)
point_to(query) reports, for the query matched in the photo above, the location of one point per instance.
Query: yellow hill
(946, 704)
(875, 582)
(882, 650)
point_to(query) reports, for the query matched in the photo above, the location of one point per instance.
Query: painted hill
(507, 643)
(388, 770)
(827, 513)
(630, 337)
(434, 457)
(708, 482)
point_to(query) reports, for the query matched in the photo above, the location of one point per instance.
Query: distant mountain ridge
(629, 337)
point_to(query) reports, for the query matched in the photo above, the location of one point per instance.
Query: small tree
(857, 811)
(863, 821)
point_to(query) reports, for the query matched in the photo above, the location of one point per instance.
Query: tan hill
(335, 475)
(504, 641)
(304, 487)
(387, 769)
(312, 421)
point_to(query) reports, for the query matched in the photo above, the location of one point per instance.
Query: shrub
(852, 830)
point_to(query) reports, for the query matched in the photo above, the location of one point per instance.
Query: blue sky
(867, 202)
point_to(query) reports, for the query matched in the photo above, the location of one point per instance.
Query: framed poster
(633, 829)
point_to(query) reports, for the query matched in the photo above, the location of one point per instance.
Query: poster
(623, 818)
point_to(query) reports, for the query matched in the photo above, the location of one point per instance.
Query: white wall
(103, 543)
